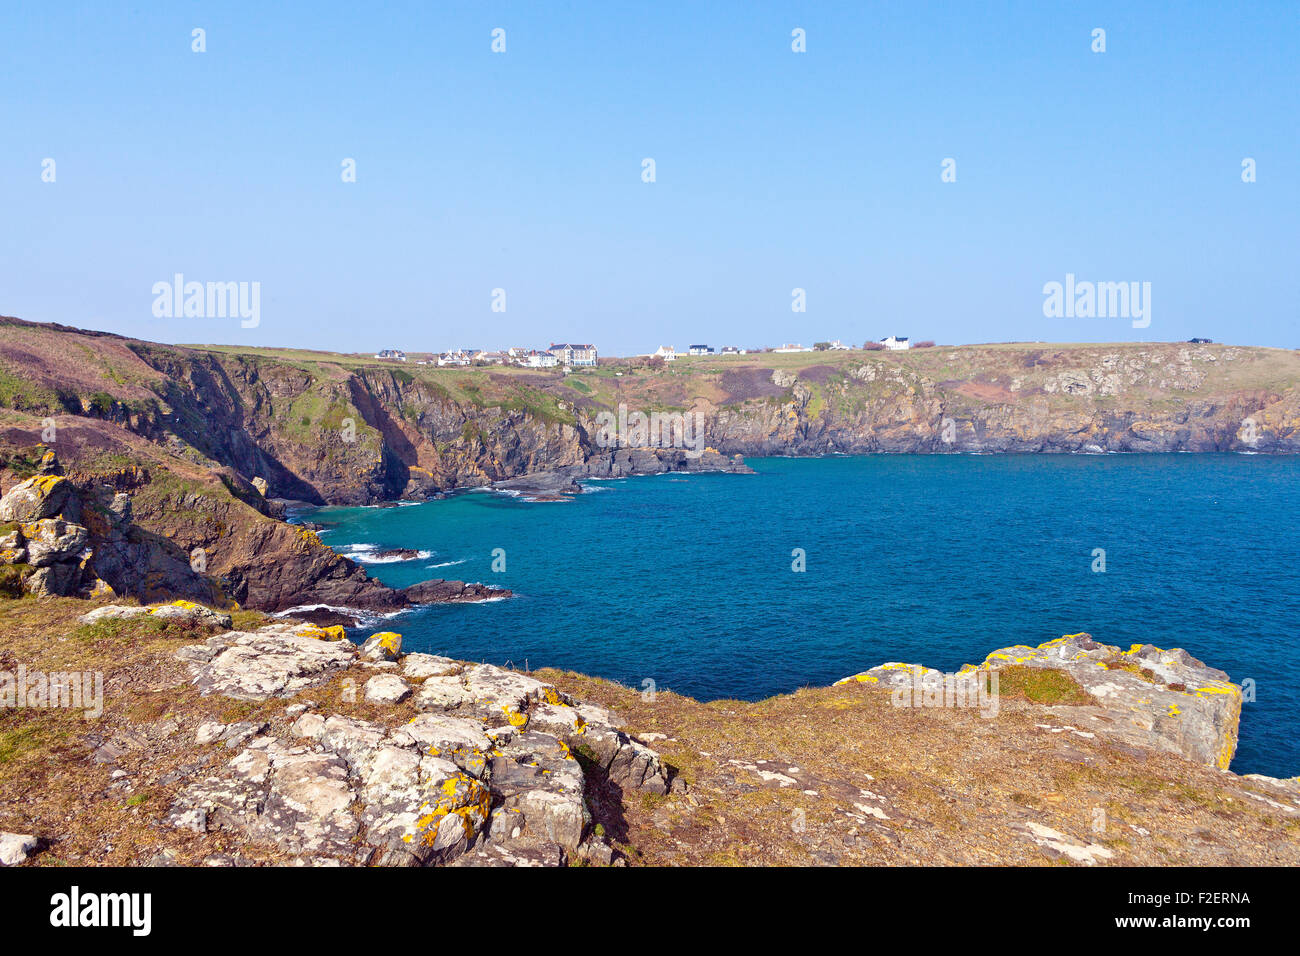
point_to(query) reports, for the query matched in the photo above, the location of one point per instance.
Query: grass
(23, 394)
(952, 784)
(128, 631)
(1039, 685)
(29, 736)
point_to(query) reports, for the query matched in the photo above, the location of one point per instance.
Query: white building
(666, 352)
(574, 354)
(536, 359)
(732, 350)
(395, 355)
(456, 357)
(896, 344)
(792, 347)
(700, 350)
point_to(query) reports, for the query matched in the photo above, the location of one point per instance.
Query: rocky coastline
(77, 536)
(152, 483)
(280, 742)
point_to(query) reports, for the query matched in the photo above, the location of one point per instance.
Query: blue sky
(774, 170)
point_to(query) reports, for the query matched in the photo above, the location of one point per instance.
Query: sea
(812, 569)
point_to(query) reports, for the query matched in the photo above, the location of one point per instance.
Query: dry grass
(956, 788)
(821, 776)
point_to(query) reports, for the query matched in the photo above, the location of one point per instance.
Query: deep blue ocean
(688, 580)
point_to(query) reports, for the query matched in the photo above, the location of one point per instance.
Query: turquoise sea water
(687, 580)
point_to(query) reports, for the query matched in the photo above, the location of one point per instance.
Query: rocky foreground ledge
(228, 738)
(485, 771)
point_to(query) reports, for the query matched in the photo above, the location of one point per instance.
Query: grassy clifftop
(349, 428)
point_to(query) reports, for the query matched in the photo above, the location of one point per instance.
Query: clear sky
(774, 170)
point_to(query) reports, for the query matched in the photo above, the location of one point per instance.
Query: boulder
(60, 579)
(420, 666)
(113, 612)
(53, 539)
(13, 548)
(1146, 696)
(15, 848)
(272, 662)
(384, 646)
(43, 496)
(49, 464)
(386, 689)
(331, 632)
(443, 733)
(442, 693)
(292, 797)
(192, 613)
(186, 611)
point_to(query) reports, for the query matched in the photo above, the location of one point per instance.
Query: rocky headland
(143, 536)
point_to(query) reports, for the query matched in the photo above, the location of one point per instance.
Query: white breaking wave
(369, 554)
(363, 616)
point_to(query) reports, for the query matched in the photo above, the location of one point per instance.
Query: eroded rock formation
(487, 771)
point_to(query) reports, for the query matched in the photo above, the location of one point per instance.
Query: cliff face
(1148, 398)
(221, 433)
(340, 429)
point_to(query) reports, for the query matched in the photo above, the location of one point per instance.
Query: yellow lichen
(390, 641)
(516, 718)
(334, 632)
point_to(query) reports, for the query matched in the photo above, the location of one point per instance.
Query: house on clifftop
(569, 355)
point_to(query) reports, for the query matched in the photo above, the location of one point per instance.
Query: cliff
(176, 451)
(346, 429)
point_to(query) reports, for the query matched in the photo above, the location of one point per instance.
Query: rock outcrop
(184, 611)
(1159, 699)
(489, 769)
(83, 535)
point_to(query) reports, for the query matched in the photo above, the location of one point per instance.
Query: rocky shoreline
(172, 478)
(554, 484)
(182, 452)
(78, 536)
